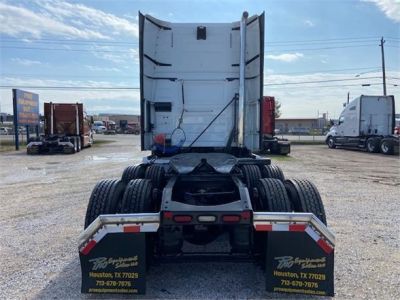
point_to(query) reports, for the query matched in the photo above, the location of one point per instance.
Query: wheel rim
(330, 142)
(385, 147)
(370, 146)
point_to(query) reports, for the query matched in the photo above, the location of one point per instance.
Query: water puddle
(111, 157)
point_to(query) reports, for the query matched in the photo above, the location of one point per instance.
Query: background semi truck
(202, 193)
(367, 122)
(269, 142)
(66, 130)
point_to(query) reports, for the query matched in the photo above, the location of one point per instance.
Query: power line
(320, 43)
(320, 81)
(136, 76)
(91, 88)
(119, 51)
(70, 41)
(63, 49)
(320, 71)
(325, 40)
(71, 75)
(329, 86)
(137, 88)
(130, 44)
(338, 40)
(88, 88)
(322, 48)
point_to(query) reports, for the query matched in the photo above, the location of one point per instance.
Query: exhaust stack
(242, 75)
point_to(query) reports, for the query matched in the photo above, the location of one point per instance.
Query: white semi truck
(201, 87)
(368, 123)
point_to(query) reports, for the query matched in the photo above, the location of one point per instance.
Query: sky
(316, 51)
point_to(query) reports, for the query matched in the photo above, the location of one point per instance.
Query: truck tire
(272, 196)
(74, 143)
(105, 199)
(133, 172)
(68, 150)
(275, 148)
(372, 145)
(251, 175)
(137, 197)
(331, 142)
(157, 176)
(32, 150)
(305, 197)
(272, 171)
(78, 144)
(387, 146)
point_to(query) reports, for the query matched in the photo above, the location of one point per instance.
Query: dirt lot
(43, 203)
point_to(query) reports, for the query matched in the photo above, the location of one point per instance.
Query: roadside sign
(26, 112)
(26, 107)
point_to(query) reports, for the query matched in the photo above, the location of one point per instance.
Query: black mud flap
(114, 264)
(299, 262)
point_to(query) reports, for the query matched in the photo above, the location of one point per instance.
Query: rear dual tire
(372, 145)
(387, 146)
(273, 171)
(253, 173)
(133, 172)
(272, 197)
(33, 150)
(138, 198)
(305, 197)
(105, 199)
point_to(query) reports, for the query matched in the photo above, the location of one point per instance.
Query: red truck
(66, 130)
(270, 143)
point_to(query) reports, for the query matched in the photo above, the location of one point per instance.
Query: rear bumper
(49, 146)
(151, 222)
(297, 250)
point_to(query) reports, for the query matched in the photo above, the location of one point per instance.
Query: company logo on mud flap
(121, 262)
(304, 263)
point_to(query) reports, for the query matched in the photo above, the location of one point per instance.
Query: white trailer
(367, 122)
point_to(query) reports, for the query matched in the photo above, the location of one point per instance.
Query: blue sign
(26, 108)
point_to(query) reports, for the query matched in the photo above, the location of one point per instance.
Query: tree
(278, 112)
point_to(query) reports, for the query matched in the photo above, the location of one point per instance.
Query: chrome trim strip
(242, 70)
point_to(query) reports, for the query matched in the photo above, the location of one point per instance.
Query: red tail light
(167, 215)
(183, 219)
(246, 214)
(231, 218)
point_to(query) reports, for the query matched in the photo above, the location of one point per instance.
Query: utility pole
(383, 66)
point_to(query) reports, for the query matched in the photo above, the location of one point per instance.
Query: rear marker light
(207, 219)
(167, 215)
(183, 219)
(231, 219)
(246, 214)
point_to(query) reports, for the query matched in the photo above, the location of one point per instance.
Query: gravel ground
(43, 203)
